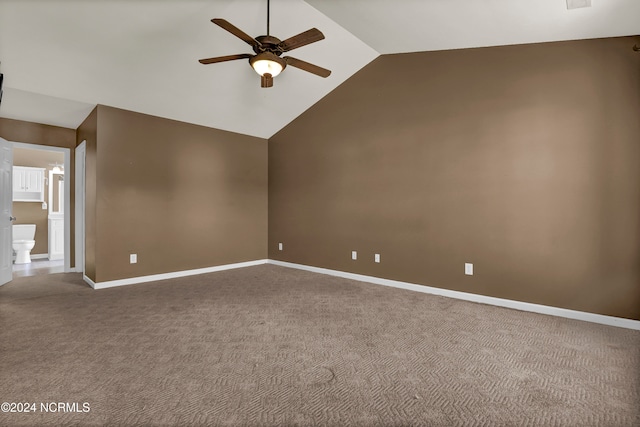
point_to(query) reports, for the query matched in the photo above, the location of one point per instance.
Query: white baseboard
(517, 305)
(89, 281)
(172, 275)
(482, 299)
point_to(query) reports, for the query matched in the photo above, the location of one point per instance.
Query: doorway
(48, 209)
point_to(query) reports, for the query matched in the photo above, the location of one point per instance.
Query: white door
(6, 175)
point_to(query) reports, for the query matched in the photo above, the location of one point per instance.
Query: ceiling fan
(268, 49)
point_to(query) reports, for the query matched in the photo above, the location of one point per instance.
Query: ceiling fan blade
(224, 58)
(310, 36)
(235, 31)
(303, 65)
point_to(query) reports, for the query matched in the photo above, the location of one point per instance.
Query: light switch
(133, 258)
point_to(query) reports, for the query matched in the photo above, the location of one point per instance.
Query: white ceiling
(422, 25)
(62, 57)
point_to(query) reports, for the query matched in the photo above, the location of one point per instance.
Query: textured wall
(520, 159)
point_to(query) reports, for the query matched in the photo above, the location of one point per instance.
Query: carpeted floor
(272, 346)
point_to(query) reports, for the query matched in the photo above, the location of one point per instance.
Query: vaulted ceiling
(62, 57)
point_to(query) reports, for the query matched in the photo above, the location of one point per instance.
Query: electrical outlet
(376, 258)
(468, 269)
(354, 255)
(280, 246)
(133, 258)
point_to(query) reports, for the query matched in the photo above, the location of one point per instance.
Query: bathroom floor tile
(38, 267)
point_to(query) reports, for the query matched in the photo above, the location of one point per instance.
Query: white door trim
(81, 152)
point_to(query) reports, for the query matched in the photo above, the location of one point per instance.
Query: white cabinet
(56, 237)
(28, 184)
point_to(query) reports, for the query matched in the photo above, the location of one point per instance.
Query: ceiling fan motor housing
(268, 44)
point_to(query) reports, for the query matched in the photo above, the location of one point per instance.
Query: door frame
(81, 155)
(67, 199)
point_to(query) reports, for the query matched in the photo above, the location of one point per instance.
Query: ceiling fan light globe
(267, 63)
(265, 66)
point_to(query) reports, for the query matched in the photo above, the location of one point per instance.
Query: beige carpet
(271, 346)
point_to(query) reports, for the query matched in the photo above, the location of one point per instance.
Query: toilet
(23, 242)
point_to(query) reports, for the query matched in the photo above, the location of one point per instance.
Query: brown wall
(520, 159)
(53, 136)
(180, 196)
(32, 212)
(88, 131)
(35, 133)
